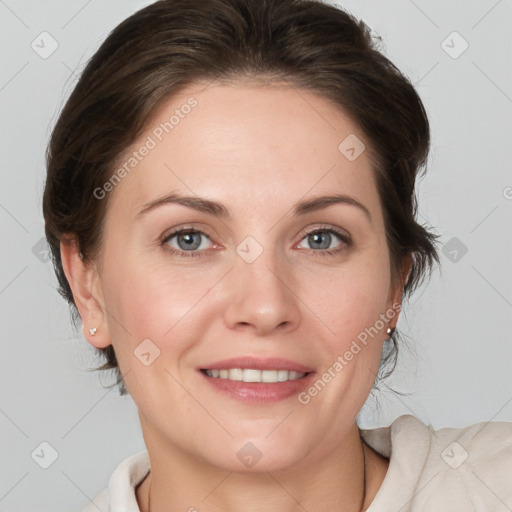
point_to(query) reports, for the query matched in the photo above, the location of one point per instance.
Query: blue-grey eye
(187, 240)
(322, 239)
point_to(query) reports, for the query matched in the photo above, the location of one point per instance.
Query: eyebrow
(219, 210)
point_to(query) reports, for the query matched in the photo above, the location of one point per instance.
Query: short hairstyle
(170, 44)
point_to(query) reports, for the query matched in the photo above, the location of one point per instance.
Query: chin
(258, 455)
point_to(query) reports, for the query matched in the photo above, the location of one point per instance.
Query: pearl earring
(389, 331)
(93, 331)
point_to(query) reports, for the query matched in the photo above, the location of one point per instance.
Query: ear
(397, 291)
(85, 285)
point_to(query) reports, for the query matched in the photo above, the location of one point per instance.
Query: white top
(448, 470)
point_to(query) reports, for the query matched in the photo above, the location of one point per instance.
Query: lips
(257, 380)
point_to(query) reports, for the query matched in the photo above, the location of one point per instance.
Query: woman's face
(264, 276)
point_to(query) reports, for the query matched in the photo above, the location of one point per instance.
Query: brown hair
(173, 43)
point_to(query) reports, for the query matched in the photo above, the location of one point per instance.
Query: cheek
(357, 294)
(151, 301)
(353, 352)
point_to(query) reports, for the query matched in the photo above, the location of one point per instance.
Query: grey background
(459, 324)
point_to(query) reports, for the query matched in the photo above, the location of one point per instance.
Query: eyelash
(345, 239)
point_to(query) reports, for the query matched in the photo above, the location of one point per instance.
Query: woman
(230, 207)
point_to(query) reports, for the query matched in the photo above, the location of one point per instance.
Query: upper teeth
(249, 375)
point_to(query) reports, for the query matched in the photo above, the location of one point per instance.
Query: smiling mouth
(253, 375)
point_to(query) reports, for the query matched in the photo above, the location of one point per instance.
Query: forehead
(275, 144)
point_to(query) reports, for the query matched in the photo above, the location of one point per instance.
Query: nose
(261, 298)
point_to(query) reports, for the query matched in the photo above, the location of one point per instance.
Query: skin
(258, 149)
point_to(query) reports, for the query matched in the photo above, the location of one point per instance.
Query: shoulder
(120, 494)
(477, 444)
(475, 462)
(449, 469)
(480, 441)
